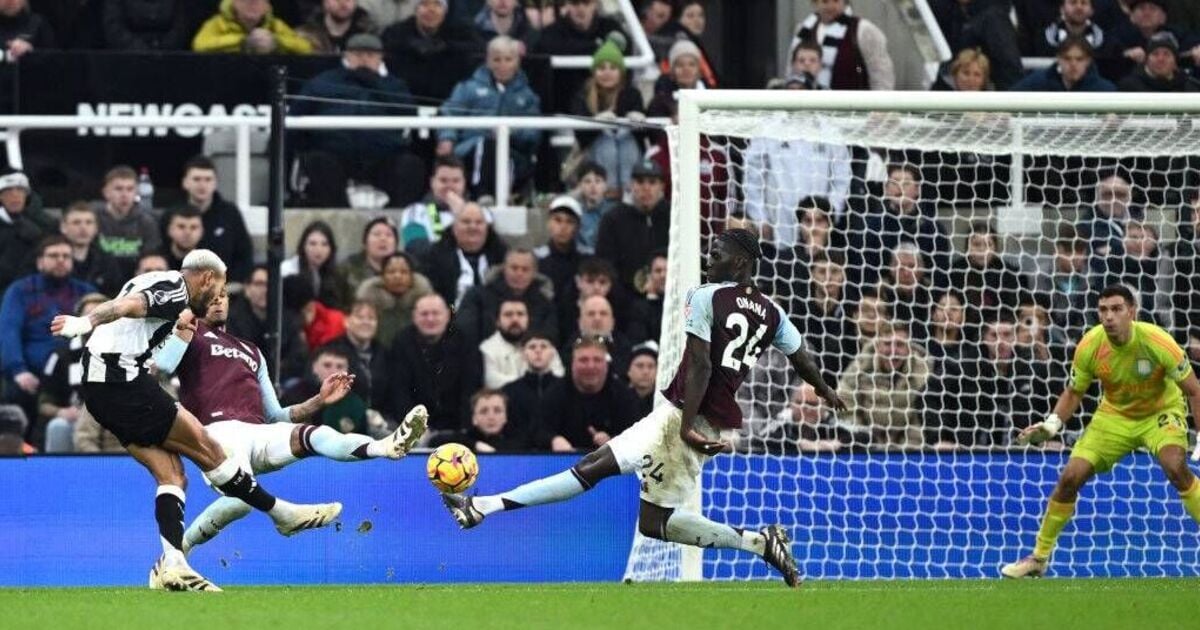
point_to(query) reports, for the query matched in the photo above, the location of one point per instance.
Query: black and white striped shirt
(117, 351)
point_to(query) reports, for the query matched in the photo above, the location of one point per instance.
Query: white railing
(633, 26)
(12, 126)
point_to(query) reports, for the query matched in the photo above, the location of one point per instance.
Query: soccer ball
(452, 468)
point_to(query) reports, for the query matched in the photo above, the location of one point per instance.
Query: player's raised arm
(133, 305)
(807, 369)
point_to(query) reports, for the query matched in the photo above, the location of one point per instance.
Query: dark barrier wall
(89, 521)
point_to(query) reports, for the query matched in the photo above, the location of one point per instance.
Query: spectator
(588, 408)
(321, 323)
(683, 74)
(971, 71)
(429, 366)
(431, 52)
(146, 25)
(805, 426)
(629, 233)
(907, 286)
(330, 29)
(654, 294)
(806, 63)
(224, 229)
(498, 88)
(527, 394)
(823, 318)
(559, 258)
(1147, 18)
(984, 25)
(89, 437)
(607, 96)
(992, 285)
(394, 293)
(779, 174)
(902, 215)
(59, 401)
(1185, 252)
(150, 261)
(360, 86)
(23, 223)
(517, 279)
(1103, 223)
(995, 387)
(595, 200)
(461, 260)
(1074, 72)
(424, 221)
(854, 50)
(89, 264)
(490, 431)
(580, 33)
(952, 360)
(315, 261)
(867, 321)
(1068, 288)
(248, 26)
(595, 276)
(882, 389)
(1033, 309)
(13, 425)
(248, 320)
(505, 17)
(596, 320)
(28, 306)
(385, 13)
(655, 17)
(814, 239)
(643, 375)
(1141, 268)
(1074, 20)
(367, 354)
(1160, 72)
(502, 353)
(692, 21)
(348, 415)
(184, 230)
(1038, 373)
(380, 239)
(23, 31)
(125, 229)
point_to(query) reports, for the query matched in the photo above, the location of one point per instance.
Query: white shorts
(668, 468)
(258, 448)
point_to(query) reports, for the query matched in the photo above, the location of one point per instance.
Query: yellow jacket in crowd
(223, 33)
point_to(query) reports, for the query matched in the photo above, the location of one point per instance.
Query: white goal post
(1031, 165)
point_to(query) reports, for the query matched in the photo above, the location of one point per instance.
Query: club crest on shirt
(1144, 367)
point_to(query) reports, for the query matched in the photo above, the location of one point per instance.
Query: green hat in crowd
(609, 53)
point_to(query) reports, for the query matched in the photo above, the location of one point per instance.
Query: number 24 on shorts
(650, 470)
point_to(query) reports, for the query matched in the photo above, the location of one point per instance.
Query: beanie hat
(1163, 39)
(608, 53)
(681, 48)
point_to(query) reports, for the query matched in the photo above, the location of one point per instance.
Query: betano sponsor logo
(159, 109)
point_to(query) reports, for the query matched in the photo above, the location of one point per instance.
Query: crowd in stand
(554, 348)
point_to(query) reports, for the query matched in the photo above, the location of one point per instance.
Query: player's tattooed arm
(333, 389)
(132, 305)
(805, 367)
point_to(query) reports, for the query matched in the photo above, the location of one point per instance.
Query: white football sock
(550, 489)
(215, 517)
(693, 529)
(341, 446)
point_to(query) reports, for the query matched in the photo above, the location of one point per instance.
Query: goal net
(941, 254)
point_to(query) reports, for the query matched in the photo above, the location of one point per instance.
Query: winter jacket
(629, 99)
(395, 312)
(991, 291)
(371, 95)
(480, 95)
(504, 362)
(572, 414)
(226, 235)
(101, 270)
(29, 305)
(388, 12)
(527, 401)
(28, 26)
(146, 25)
(559, 266)
(350, 275)
(19, 236)
(327, 324)
(870, 239)
(222, 33)
(521, 29)
(439, 375)
(480, 306)
(325, 44)
(1050, 80)
(369, 368)
(887, 402)
(432, 64)
(628, 236)
(1141, 81)
(128, 237)
(442, 266)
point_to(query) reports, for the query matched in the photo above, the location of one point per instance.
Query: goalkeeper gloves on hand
(1041, 431)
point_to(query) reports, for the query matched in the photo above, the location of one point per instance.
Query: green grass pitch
(1093, 604)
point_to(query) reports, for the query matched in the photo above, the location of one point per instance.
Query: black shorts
(137, 412)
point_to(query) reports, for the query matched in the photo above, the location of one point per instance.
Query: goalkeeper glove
(1196, 452)
(75, 326)
(1041, 431)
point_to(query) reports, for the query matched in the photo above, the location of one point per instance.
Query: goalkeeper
(1143, 375)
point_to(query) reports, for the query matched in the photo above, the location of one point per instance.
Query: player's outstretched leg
(212, 520)
(687, 528)
(1059, 510)
(585, 474)
(188, 438)
(353, 447)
